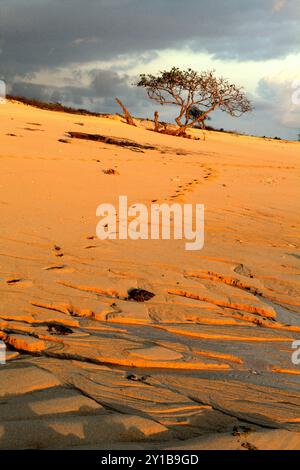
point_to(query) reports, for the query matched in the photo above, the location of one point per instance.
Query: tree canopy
(189, 89)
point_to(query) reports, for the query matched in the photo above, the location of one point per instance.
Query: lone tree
(189, 89)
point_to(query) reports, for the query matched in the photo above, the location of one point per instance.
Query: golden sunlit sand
(204, 364)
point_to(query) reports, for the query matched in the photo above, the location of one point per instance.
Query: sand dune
(205, 363)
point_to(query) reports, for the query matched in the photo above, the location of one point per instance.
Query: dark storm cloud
(39, 34)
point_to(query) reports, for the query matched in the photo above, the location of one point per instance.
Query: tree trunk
(127, 115)
(181, 131)
(156, 122)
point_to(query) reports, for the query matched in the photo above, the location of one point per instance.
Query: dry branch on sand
(127, 115)
(110, 140)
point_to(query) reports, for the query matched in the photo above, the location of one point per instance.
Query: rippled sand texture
(206, 363)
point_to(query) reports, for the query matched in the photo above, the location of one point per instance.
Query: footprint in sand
(59, 268)
(19, 281)
(52, 268)
(13, 280)
(57, 251)
(32, 130)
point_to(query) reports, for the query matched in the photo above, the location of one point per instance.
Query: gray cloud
(275, 101)
(97, 95)
(50, 33)
(276, 113)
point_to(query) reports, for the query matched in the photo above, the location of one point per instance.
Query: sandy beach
(206, 362)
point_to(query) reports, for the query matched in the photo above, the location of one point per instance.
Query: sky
(85, 53)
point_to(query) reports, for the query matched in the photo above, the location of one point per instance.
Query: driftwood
(156, 121)
(158, 126)
(110, 140)
(127, 115)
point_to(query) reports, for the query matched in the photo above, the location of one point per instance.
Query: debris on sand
(59, 330)
(140, 295)
(136, 378)
(243, 270)
(110, 171)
